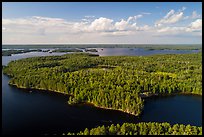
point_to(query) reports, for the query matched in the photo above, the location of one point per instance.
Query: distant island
(146, 46)
(67, 50)
(91, 50)
(10, 52)
(17, 49)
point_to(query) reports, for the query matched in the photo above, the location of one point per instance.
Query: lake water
(48, 113)
(7, 59)
(113, 52)
(138, 51)
(181, 109)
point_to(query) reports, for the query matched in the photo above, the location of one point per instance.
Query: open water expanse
(46, 112)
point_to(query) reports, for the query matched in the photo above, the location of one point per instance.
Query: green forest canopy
(150, 128)
(109, 82)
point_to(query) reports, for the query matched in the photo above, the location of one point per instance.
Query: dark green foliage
(110, 82)
(91, 50)
(9, 52)
(150, 128)
(67, 50)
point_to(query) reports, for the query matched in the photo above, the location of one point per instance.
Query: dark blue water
(48, 113)
(181, 109)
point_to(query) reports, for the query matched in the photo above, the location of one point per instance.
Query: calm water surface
(181, 109)
(48, 113)
(138, 51)
(116, 52)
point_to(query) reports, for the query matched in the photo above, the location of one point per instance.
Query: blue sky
(102, 22)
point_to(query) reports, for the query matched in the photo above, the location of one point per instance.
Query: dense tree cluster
(151, 128)
(91, 50)
(114, 82)
(10, 52)
(67, 50)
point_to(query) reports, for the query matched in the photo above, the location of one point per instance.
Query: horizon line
(104, 44)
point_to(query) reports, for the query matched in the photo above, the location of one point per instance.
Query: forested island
(67, 50)
(150, 128)
(10, 52)
(91, 50)
(117, 85)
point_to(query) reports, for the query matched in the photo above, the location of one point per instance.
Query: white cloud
(195, 26)
(194, 15)
(171, 30)
(130, 18)
(170, 13)
(193, 29)
(85, 20)
(123, 25)
(88, 19)
(170, 18)
(45, 25)
(102, 24)
(145, 28)
(39, 29)
(36, 24)
(35, 21)
(107, 25)
(138, 16)
(134, 18)
(183, 8)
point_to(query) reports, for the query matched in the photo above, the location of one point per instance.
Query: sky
(102, 22)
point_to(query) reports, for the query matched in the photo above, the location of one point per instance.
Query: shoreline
(39, 89)
(172, 94)
(94, 105)
(66, 94)
(106, 108)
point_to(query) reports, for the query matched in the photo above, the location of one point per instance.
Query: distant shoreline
(146, 46)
